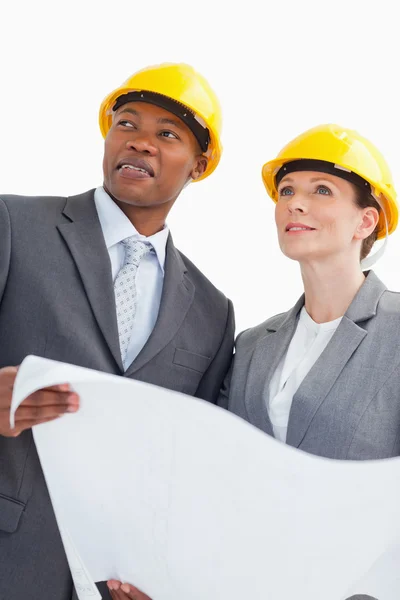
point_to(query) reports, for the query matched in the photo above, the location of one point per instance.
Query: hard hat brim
(271, 168)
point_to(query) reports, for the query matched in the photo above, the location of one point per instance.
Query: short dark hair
(364, 199)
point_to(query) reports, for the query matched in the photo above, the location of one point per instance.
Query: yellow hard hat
(347, 151)
(187, 89)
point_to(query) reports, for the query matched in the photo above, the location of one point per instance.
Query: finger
(38, 413)
(113, 587)
(125, 591)
(8, 375)
(23, 425)
(133, 593)
(62, 387)
(113, 584)
(50, 398)
(116, 590)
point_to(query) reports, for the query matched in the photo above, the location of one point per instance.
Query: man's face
(149, 155)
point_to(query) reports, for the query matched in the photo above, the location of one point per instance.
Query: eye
(126, 123)
(169, 134)
(322, 190)
(286, 191)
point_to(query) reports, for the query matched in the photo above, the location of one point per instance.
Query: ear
(199, 167)
(369, 221)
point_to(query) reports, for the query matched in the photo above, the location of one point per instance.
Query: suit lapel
(267, 354)
(84, 238)
(176, 299)
(322, 376)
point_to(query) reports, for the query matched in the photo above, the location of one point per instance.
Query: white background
(278, 67)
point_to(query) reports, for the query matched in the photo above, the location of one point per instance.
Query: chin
(297, 254)
(300, 250)
(133, 200)
(131, 196)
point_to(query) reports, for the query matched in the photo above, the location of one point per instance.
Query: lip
(139, 163)
(304, 228)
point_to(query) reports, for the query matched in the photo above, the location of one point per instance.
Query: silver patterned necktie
(125, 290)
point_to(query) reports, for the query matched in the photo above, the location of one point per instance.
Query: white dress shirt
(308, 342)
(150, 275)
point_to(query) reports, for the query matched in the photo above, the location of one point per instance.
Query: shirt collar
(116, 226)
(317, 327)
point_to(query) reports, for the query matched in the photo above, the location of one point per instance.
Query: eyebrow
(322, 178)
(129, 110)
(313, 180)
(161, 121)
(166, 121)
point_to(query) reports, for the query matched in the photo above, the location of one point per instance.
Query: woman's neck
(330, 289)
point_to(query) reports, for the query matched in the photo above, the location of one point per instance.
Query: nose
(297, 204)
(143, 144)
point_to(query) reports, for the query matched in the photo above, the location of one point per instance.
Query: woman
(325, 376)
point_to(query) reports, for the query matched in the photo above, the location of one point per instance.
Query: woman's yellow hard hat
(180, 89)
(347, 150)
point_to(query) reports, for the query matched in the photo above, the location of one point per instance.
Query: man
(95, 280)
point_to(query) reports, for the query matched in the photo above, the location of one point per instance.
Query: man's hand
(124, 591)
(41, 406)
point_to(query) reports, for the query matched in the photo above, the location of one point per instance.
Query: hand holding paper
(39, 407)
(187, 501)
(125, 591)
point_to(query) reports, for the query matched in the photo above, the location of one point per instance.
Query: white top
(308, 342)
(150, 275)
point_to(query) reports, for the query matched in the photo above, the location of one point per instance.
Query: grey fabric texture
(57, 301)
(348, 406)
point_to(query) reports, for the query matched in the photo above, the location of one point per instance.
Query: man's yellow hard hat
(181, 90)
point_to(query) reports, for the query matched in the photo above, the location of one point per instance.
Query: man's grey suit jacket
(57, 301)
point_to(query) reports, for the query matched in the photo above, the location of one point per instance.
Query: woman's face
(317, 217)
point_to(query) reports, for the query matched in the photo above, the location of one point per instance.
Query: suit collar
(273, 345)
(84, 237)
(80, 207)
(362, 308)
(319, 381)
(365, 303)
(116, 226)
(285, 320)
(268, 352)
